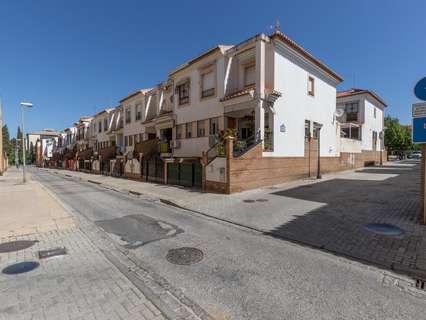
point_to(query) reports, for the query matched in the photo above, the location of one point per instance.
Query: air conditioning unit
(176, 144)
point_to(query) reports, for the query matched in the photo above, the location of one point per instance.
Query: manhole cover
(384, 229)
(16, 245)
(20, 267)
(262, 200)
(184, 256)
(248, 201)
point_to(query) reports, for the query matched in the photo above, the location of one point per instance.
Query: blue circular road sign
(420, 89)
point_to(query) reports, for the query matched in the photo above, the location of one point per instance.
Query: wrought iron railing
(241, 146)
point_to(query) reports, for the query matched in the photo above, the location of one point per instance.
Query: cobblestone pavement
(331, 214)
(82, 284)
(350, 204)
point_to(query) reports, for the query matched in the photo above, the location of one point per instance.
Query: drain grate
(16, 245)
(184, 256)
(248, 201)
(384, 229)
(20, 267)
(421, 284)
(262, 200)
(42, 254)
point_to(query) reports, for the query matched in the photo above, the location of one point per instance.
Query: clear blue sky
(73, 58)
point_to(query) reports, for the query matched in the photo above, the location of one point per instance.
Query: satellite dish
(339, 112)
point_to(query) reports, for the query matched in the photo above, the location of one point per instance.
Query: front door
(232, 123)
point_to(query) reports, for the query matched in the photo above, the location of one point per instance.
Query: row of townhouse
(258, 113)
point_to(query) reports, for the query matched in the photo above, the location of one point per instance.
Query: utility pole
(23, 105)
(318, 127)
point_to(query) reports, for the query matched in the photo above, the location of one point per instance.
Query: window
(105, 124)
(135, 139)
(351, 112)
(100, 126)
(268, 142)
(208, 84)
(214, 126)
(138, 112)
(130, 141)
(201, 128)
(375, 114)
(179, 131)
(126, 141)
(316, 130)
(311, 86)
(351, 132)
(183, 92)
(128, 115)
(140, 137)
(307, 129)
(188, 130)
(249, 75)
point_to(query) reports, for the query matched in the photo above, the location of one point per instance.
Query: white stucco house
(362, 120)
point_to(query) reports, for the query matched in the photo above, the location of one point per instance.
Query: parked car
(416, 155)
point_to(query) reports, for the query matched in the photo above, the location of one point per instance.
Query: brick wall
(252, 170)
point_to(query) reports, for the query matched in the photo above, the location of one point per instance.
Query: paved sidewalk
(26, 208)
(91, 281)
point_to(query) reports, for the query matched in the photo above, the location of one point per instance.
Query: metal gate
(153, 169)
(185, 174)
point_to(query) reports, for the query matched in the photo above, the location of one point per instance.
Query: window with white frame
(100, 126)
(307, 129)
(179, 131)
(208, 86)
(105, 124)
(201, 128)
(352, 109)
(375, 114)
(128, 115)
(182, 91)
(138, 111)
(311, 86)
(213, 126)
(249, 75)
(188, 133)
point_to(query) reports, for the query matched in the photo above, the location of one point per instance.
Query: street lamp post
(24, 105)
(318, 127)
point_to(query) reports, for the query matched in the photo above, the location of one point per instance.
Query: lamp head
(27, 104)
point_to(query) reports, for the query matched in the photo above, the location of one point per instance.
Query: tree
(6, 139)
(11, 154)
(397, 136)
(19, 143)
(31, 154)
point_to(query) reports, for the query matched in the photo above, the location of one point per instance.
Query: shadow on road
(338, 226)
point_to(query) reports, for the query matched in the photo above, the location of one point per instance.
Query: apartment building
(133, 110)
(236, 117)
(362, 123)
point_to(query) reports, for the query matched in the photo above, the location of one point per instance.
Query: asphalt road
(243, 274)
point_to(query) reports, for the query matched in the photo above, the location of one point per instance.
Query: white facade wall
(199, 108)
(367, 121)
(135, 126)
(371, 124)
(295, 105)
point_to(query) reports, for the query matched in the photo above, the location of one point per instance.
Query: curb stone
(137, 272)
(402, 282)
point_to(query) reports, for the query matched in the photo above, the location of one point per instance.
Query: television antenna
(276, 26)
